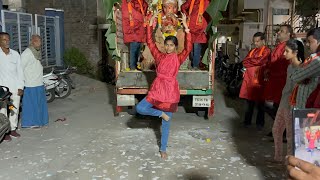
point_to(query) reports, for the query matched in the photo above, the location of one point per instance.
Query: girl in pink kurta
(164, 94)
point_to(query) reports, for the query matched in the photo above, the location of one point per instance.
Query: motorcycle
(58, 84)
(51, 82)
(64, 73)
(63, 90)
(4, 121)
(230, 73)
(234, 86)
(222, 67)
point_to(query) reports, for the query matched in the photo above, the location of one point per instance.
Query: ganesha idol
(168, 24)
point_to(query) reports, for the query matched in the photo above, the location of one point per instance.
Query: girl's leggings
(283, 121)
(145, 108)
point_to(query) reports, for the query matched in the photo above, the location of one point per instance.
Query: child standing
(164, 94)
(294, 52)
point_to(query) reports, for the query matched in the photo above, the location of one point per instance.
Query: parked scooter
(4, 121)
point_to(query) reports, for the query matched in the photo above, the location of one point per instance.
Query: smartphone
(306, 133)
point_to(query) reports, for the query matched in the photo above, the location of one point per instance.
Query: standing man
(134, 27)
(308, 74)
(11, 75)
(277, 68)
(252, 85)
(198, 22)
(34, 103)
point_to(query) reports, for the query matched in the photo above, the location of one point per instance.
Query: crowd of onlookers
(286, 78)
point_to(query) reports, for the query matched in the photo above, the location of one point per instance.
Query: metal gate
(19, 26)
(48, 28)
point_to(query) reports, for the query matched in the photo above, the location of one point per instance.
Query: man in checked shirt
(307, 75)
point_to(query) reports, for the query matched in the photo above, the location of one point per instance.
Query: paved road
(92, 144)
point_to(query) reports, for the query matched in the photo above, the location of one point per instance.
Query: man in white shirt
(34, 102)
(11, 75)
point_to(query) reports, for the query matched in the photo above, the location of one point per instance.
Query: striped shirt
(310, 71)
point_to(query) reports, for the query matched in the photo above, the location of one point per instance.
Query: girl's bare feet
(165, 117)
(163, 155)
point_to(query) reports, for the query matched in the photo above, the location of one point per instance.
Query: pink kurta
(164, 93)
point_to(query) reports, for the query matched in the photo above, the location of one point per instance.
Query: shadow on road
(196, 176)
(140, 122)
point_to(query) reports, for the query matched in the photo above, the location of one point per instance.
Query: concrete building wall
(253, 4)
(253, 22)
(81, 18)
(247, 30)
(279, 4)
(16, 5)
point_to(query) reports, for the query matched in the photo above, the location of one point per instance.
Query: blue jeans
(134, 54)
(196, 54)
(145, 108)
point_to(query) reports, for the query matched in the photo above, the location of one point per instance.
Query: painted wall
(16, 5)
(80, 21)
(247, 30)
(279, 4)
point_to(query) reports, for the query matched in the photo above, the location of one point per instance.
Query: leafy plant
(74, 57)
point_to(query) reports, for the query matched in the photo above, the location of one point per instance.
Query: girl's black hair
(173, 39)
(296, 45)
